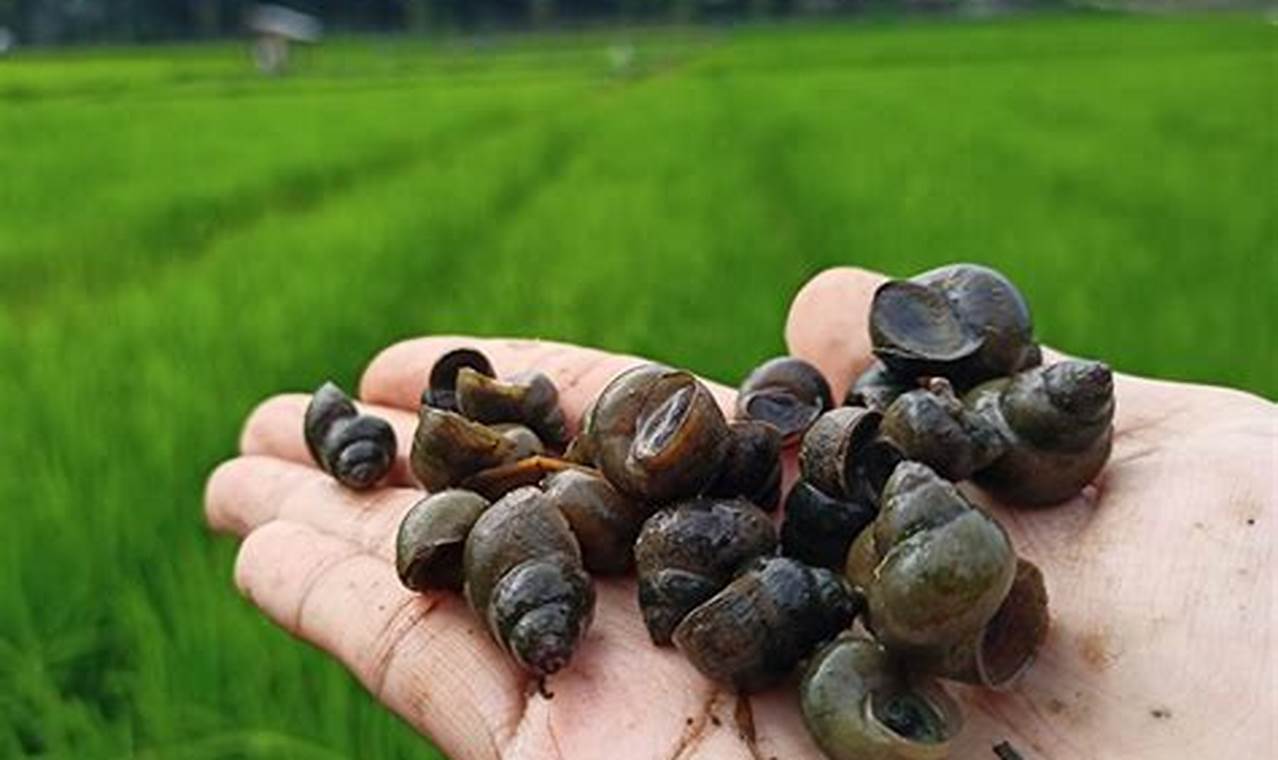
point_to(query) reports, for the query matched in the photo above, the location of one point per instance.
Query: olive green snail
(356, 449)
(943, 584)
(787, 392)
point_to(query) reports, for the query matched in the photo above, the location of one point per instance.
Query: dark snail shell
(687, 552)
(819, 529)
(1057, 422)
(658, 434)
(931, 425)
(448, 448)
(431, 537)
(876, 388)
(752, 633)
(787, 392)
(525, 579)
(860, 705)
(441, 386)
(356, 449)
(1002, 651)
(844, 456)
(964, 322)
(933, 567)
(605, 521)
(530, 399)
(752, 467)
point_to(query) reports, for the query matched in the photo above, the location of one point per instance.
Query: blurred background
(206, 202)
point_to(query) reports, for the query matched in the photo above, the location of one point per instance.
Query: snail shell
(787, 392)
(964, 322)
(524, 577)
(753, 632)
(1058, 425)
(818, 529)
(356, 449)
(860, 705)
(605, 521)
(752, 467)
(448, 448)
(934, 568)
(658, 434)
(844, 456)
(431, 537)
(687, 552)
(441, 386)
(530, 399)
(931, 425)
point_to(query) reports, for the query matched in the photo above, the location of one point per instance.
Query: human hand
(1160, 577)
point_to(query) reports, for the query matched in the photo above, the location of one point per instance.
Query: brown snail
(818, 529)
(772, 615)
(787, 392)
(605, 521)
(448, 448)
(752, 467)
(1035, 438)
(860, 704)
(933, 567)
(964, 322)
(524, 577)
(1058, 424)
(687, 552)
(441, 385)
(844, 456)
(530, 399)
(658, 434)
(356, 449)
(432, 536)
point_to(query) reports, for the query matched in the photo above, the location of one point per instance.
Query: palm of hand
(1160, 578)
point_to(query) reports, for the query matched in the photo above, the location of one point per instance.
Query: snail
(844, 456)
(1035, 438)
(431, 537)
(772, 615)
(440, 392)
(1058, 424)
(448, 448)
(876, 388)
(818, 529)
(687, 552)
(934, 568)
(356, 449)
(752, 467)
(787, 392)
(524, 577)
(658, 434)
(604, 520)
(964, 322)
(859, 704)
(530, 399)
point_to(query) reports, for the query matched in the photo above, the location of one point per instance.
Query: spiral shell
(356, 449)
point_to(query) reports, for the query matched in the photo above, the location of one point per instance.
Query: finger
(423, 656)
(274, 428)
(398, 374)
(828, 324)
(248, 492)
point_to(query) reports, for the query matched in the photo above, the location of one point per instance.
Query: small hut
(274, 28)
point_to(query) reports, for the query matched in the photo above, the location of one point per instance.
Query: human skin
(1161, 579)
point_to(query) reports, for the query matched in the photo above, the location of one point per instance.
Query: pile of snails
(883, 576)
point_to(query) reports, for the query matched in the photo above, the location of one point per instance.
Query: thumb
(828, 324)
